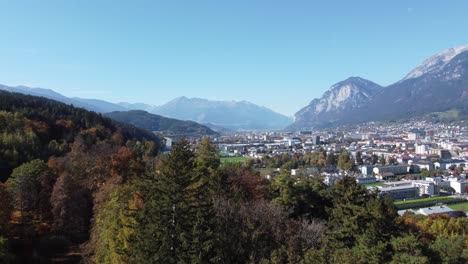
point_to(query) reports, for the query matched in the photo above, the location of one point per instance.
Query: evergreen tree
(360, 220)
(331, 159)
(163, 230)
(176, 223)
(359, 160)
(205, 184)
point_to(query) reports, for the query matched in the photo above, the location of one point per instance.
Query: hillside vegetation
(167, 126)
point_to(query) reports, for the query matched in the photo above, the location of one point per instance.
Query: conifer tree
(202, 191)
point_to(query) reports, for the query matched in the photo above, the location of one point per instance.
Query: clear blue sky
(280, 54)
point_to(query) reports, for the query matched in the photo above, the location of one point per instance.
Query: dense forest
(168, 126)
(79, 188)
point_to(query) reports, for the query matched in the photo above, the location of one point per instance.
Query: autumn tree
(31, 186)
(345, 161)
(113, 227)
(382, 160)
(71, 208)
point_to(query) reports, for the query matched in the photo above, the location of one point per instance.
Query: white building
(399, 192)
(460, 187)
(367, 170)
(395, 169)
(413, 136)
(425, 187)
(421, 149)
(421, 187)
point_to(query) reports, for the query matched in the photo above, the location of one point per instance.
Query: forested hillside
(54, 160)
(34, 127)
(86, 190)
(167, 126)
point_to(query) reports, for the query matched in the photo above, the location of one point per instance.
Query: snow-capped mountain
(439, 84)
(436, 62)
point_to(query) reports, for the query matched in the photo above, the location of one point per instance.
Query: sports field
(460, 207)
(423, 200)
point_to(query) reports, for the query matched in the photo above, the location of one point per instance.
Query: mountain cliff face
(235, 115)
(341, 98)
(440, 83)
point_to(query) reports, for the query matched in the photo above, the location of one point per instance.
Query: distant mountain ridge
(234, 115)
(440, 83)
(95, 105)
(231, 115)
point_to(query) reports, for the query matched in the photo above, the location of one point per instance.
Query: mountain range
(440, 83)
(234, 115)
(231, 115)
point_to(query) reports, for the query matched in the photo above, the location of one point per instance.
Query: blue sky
(279, 54)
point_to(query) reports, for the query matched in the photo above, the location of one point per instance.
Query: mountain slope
(439, 88)
(100, 106)
(231, 115)
(153, 122)
(34, 127)
(435, 63)
(335, 104)
(241, 115)
(95, 105)
(440, 83)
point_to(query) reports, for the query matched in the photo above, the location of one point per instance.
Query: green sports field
(431, 199)
(460, 207)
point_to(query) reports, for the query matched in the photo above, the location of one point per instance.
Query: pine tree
(361, 221)
(205, 184)
(163, 232)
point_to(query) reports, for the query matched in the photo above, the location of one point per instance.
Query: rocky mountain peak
(436, 62)
(349, 93)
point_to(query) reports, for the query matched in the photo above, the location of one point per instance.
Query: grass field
(423, 200)
(426, 202)
(234, 159)
(460, 207)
